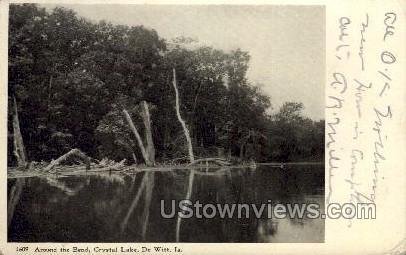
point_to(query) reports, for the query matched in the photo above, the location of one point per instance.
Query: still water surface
(127, 208)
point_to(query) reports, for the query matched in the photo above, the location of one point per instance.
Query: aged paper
(343, 62)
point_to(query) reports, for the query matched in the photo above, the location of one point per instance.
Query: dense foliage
(71, 78)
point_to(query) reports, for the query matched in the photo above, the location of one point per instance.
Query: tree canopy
(71, 78)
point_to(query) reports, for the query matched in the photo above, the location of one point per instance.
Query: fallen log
(72, 153)
(15, 173)
(217, 161)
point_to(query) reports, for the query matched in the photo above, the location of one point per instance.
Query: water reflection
(126, 207)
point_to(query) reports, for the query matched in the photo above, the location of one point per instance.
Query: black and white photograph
(131, 123)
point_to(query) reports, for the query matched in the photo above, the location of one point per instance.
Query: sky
(286, 43)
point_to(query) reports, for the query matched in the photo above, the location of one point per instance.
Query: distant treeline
(70, 79)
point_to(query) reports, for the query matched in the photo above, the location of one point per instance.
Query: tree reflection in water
(112, 207)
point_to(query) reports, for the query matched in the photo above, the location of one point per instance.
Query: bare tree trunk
(138, 137)
(148, 132)
(182, 122)
(19, 149)
(244, 142)
(242, 150)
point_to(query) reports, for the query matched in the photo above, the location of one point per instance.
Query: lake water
(127, 207)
